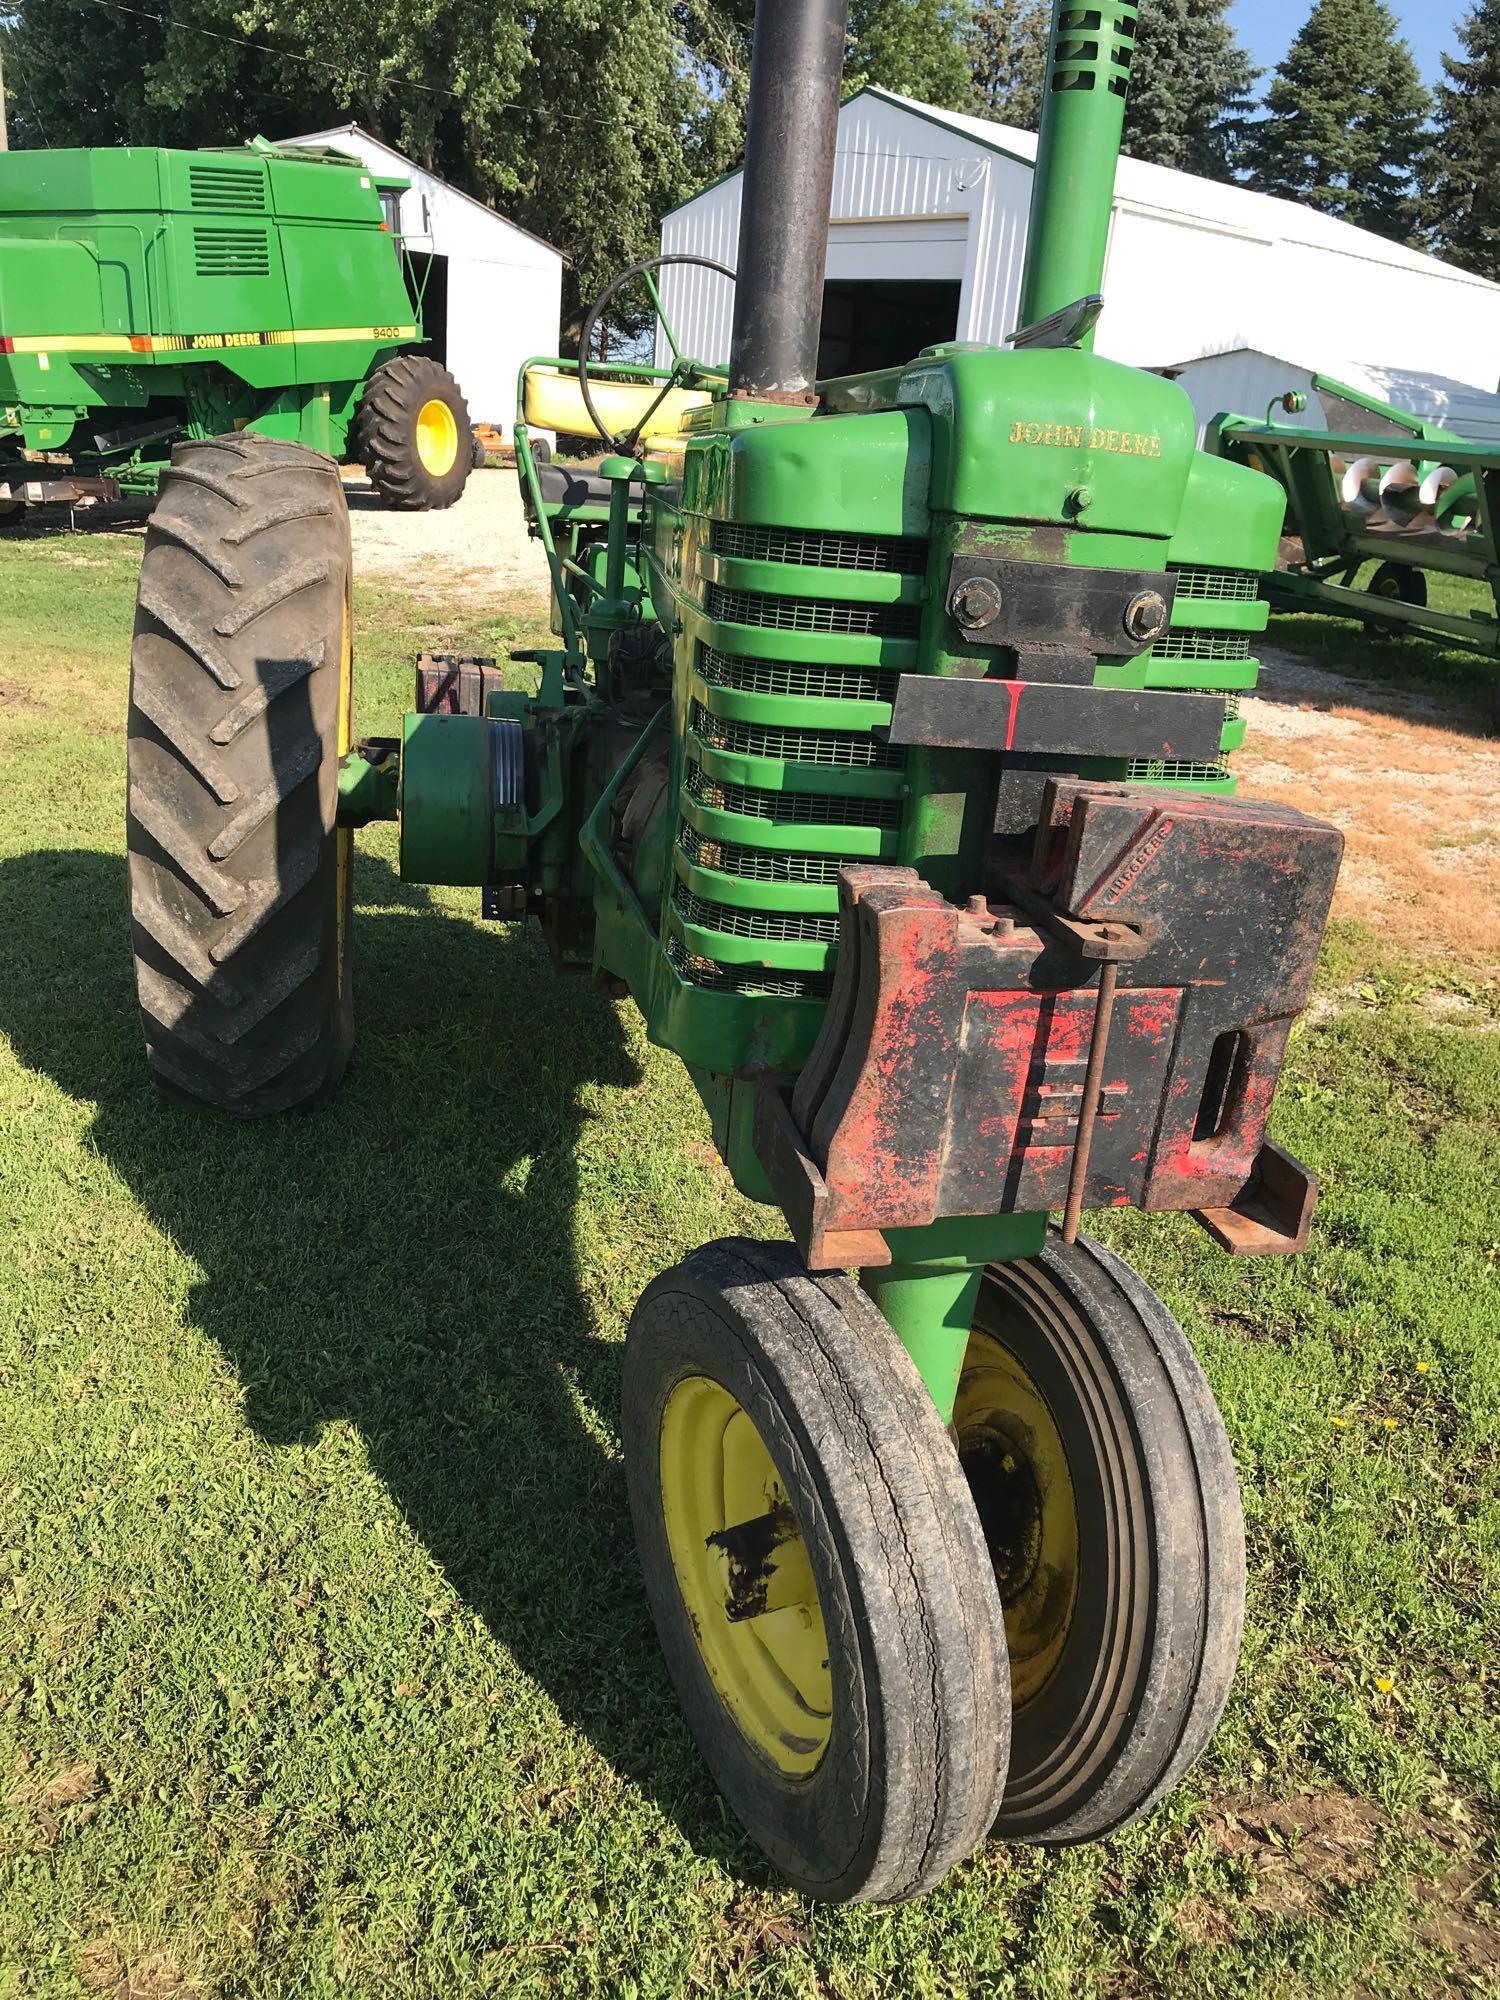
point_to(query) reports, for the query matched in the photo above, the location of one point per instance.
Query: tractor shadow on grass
(404, 1262)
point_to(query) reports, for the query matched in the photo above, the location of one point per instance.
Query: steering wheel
(684, 369)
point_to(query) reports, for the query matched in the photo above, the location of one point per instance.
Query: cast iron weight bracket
(1109, 946)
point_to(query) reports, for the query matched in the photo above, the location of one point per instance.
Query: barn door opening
(882, 322)
(429, 278)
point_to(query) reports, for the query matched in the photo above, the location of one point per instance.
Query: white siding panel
(1243, 384)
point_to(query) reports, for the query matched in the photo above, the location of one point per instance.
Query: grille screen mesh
(1202, 646)
(774, 926)
(839, 749)
(1143, 770)
(747, 978)
(790, 808)
(1221, 586)
(797, 678)
(812, 614)
(902, 555)
(755, 864)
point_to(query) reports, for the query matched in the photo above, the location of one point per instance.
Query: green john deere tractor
(880, 759)
(148, 297)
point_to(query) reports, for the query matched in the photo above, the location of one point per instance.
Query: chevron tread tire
(240, 878)
(387, 433)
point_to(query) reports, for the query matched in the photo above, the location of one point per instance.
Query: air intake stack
(1083, 118)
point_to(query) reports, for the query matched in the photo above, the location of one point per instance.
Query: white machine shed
(928, 237)
(493, 291)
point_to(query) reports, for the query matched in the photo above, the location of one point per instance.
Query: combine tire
(415, 437)
(240, 689)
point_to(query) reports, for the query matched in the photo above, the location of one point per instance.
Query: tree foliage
(583, 120)
(916, 47)
(1460, 201)
(1008, 60)
(1345, 115)
(1190, 88)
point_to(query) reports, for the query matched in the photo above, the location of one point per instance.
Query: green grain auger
(880, 760)
(149, 296)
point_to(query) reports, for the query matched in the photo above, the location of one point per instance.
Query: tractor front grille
(812, 614)
(747, 704)
(837, 749)
(805, 678)
(898, 555)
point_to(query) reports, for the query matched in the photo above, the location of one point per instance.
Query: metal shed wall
(504, 285)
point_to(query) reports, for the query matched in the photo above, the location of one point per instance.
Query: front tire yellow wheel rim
(1013, 1456)
(745, 1576)
(437, 437)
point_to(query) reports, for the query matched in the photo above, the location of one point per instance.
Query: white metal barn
(928, 236)
(493, 294)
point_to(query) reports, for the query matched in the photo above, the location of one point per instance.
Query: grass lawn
(324, 1666)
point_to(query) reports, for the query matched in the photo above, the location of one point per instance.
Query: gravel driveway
(476, 551)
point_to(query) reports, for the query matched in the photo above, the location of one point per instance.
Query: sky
(1267, 26)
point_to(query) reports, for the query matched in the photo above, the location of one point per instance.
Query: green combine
(149, 298)
(881, 760)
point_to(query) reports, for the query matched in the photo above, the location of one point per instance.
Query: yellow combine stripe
(197, 343)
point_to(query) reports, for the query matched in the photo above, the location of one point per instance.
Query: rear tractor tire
(414, 434)
(240, 703)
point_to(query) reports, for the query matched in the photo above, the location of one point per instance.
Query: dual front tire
(887, 1648)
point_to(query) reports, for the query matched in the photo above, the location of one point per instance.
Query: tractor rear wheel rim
(745, 1576)
(437, 437)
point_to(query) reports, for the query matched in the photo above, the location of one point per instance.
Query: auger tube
(1083, 119)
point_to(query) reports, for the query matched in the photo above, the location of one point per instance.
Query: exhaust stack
(1083, 119)
(796, 63)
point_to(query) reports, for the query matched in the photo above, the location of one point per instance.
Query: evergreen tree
(1008, 60)
(1345, 115)
(1190, 88)
(1460, 201)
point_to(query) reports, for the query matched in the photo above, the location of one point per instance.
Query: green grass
(1409, 660)
(324, 1667)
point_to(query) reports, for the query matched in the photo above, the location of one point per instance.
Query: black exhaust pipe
(796, 64)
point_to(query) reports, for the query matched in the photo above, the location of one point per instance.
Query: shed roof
(1240, 210)
(333, 133)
